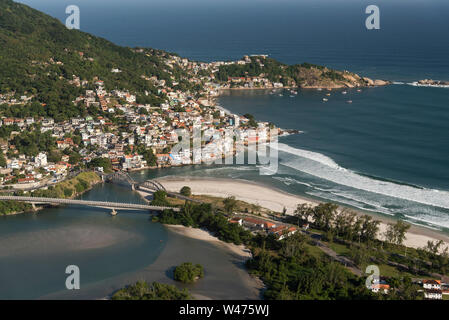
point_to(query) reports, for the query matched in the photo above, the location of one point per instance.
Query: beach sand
(276, 200)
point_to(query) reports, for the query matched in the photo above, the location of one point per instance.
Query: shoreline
(204, 235)
(241, 252)
(275, 199)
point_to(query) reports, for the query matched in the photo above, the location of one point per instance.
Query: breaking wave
(323, 167)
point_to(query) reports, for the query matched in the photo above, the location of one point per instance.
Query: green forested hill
(39, 56)
(304, 75)
(31, 44)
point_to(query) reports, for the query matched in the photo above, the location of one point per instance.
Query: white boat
(358, 90)
(324, 99)
(319, 89)
(344, 92)
(349, 101)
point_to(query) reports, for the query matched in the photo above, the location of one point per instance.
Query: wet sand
(225, 273)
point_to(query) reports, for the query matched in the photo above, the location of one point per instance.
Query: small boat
(281, 95)
(324, 99)
(349, 101)
(328, 94)
(344, 92)
(358, 90)
(319, 89)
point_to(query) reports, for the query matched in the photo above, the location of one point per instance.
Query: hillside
(303, 75)
(40, 55)
(52, 66)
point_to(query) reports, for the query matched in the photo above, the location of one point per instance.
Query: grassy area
(217, 202)
(315, 251)
(390, 271)
(241, 206)
(70, 188)
(340, 249)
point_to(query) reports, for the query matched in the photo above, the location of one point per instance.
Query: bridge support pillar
(113, 212)
(34, 206)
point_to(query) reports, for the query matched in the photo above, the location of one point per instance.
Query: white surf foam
(325, 168)
(417, 84)
(315, 156)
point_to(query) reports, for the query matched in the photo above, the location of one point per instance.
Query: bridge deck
(101, 204)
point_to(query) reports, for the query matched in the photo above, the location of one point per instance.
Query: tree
(154, 291)
(2, 160)
(303, 212)
(160, 199)
(324, 214)
(186, 191)
(433, 247)
(396, 232)
(188, 272)
(105, 163)
(230, 204)
(369, 228)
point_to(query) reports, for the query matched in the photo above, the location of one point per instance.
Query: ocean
(387, 152)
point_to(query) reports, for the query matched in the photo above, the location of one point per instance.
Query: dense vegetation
(187, 272)
(291, 270)
(10, 207)
(50, 55)
(305, 74)
(186, 191)
(154, 291)
(104, 163)
(30, 143)
(69, 188)
(296, 268)
(203, 216)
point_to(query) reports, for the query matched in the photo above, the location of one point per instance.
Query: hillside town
(129, 134)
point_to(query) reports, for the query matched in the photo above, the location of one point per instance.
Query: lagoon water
(387, 152)
(111, 252)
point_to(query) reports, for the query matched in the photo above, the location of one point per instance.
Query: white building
(433, 294)
(41, 160)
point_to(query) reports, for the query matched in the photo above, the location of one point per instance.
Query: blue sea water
(386, 152)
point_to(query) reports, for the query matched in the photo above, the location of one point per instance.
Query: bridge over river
(149, 185)
(98, 204)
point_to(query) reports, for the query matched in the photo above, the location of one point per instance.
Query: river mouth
(111, 252)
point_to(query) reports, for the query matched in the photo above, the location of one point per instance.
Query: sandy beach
(276, 200)
(204, 235)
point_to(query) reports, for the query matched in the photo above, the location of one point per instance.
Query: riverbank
(276, 200)
(76, 186)
(241, 253)
(204, 235)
